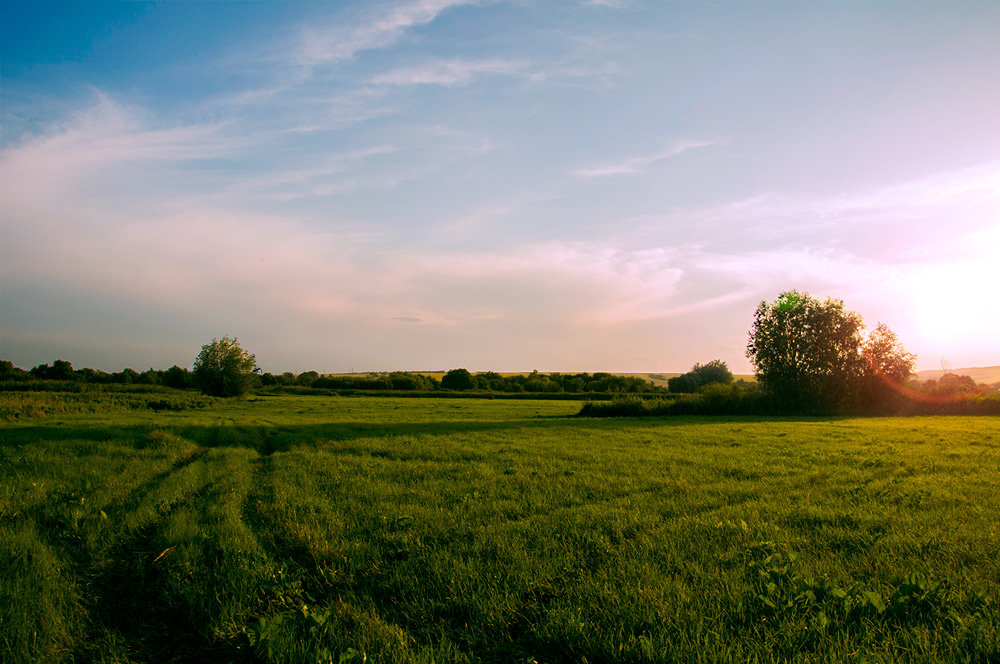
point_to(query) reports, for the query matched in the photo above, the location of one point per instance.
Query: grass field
(312, 529)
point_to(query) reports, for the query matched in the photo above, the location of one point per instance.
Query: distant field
(319, 529)
(987, 375)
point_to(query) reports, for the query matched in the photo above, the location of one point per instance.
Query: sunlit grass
(294, 529)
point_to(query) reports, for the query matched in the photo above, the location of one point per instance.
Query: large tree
(806, 352)
(812, 355)
(223, 368)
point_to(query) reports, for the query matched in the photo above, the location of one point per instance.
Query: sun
(956, 305)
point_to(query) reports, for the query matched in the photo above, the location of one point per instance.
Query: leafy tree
(223, 368)
(60, 370)
(401, 380)
(886, 366)
(176, 377)
(149, 377)
(806, 352)
(458, 379)
(9, 372)
(536, 382)
(950, 385)
(93, 376)
(812, 355)
(307, 378)
(700, 375)
(885, 356)
(126, 376)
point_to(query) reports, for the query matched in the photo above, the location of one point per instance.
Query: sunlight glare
(957, 304)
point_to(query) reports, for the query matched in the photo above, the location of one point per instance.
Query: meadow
(333, 529)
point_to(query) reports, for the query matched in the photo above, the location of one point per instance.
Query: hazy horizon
(560, 186)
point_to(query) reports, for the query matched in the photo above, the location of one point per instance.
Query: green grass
(309, 529)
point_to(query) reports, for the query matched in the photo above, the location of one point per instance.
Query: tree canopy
(812, 355)
(458, 379)
(223, 368)
(700, 375)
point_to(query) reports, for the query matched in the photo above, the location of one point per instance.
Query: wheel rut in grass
(274, 539)
(125, 594)
(144, 490)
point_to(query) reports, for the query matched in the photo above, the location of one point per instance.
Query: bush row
(734, 400)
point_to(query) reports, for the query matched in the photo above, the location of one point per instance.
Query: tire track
(124, 593)
(275, 539)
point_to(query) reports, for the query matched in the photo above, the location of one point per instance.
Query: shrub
(223, 368)
(700, 375)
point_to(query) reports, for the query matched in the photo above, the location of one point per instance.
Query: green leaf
(874, 599)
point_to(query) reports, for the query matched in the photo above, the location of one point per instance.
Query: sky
(431, 184)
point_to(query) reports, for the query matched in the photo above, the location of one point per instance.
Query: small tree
(307, 378)
(700, 375)
(223, 368)
(887, 366)
(458, 379)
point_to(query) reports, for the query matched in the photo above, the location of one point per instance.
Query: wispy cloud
(973, 186)
(284, 267)
(449, 72)
(108, 131)
(639, 164)
(289, 67)
(107, 151)
(897, 222)
(381, 26)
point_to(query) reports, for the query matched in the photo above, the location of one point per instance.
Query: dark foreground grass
(298, 529)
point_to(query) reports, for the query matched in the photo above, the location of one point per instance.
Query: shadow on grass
(128, 598)
(267, 438)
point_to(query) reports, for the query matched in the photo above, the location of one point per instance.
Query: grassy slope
(987, 375)
(420, 530)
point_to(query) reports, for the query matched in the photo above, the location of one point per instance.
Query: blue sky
(495, 185)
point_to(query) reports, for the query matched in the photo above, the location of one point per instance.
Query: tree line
(224, 368)
(808, 355)
(61, 370)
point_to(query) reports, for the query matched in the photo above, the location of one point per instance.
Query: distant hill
(988, 375)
